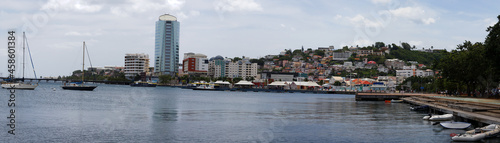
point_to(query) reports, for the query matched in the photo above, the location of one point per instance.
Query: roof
(278, 83)
(244, 82)
(337, 78)
(221, 82)
(167, 17)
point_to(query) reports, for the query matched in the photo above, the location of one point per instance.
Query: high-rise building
(167, 45)
(136, 64)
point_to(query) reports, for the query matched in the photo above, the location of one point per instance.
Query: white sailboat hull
(19, 86)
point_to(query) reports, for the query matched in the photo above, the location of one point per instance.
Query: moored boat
(80, 85)
(205, 87)
(420, 108)
(12, 84)
(143, 84)
(444, 117)
(396, 101)
(455, 125)
(20, 85)
(477, 134)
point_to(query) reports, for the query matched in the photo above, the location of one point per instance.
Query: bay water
(120, 113)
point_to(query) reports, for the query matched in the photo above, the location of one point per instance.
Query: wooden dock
(478, 111)
(366, 96)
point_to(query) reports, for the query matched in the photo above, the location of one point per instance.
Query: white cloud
(72, 5)
(337, 17)
(142, 6)
(75, 33)
(489, 21)
(362, 42)
(381, 1)
(288, 27)
(237, 5)
(428, 21)
(360, 20)
(416, 43)
(416, 14)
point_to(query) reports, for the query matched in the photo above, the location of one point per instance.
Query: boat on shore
(477, 134)
(444, 117)
(455, 125)
(143, 84)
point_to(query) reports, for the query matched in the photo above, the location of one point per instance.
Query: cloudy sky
(232, 28)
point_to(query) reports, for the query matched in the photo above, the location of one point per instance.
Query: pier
(467, 109)
(480, 110)
(369, 96)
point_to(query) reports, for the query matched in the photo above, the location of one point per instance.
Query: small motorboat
(477, 134)
(455, 125)
(396, 101)
(205, 87)
(420, 108)
(444, 117)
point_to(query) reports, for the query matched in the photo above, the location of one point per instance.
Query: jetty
(480, 110)
(381, 96)
(468, 109)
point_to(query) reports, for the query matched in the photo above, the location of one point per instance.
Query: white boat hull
(19, 86)
(455, 125)
(478, 134)
(444, 117)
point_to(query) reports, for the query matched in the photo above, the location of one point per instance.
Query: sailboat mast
(24, 41)
(83, 65)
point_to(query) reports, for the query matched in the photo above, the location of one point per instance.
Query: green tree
(345, 48)
(379, 45)
(321, 82)
(164, 79)
(406, 46)
(492, 48)
(337, 83)
(297, 52)
(319, 53)
(236, 59)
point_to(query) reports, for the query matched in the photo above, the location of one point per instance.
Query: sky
(56, 29)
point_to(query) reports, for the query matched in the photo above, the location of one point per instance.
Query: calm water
(116, 113)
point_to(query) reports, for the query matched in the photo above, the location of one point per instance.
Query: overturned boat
(477, 134)
(455, 125)
(444, 117)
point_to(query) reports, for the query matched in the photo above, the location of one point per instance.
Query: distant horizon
(250, 28)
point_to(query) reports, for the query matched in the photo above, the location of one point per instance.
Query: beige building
(135, 64)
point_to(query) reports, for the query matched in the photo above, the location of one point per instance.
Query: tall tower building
(167, 45)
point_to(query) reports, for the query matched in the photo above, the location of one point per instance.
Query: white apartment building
(218, 67)
(414, 72)
(241, 69)
(135, 64)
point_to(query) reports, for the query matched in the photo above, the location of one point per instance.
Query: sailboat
(80, 85)
(22, 84)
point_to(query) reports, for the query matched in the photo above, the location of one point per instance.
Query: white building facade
(135, 64)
